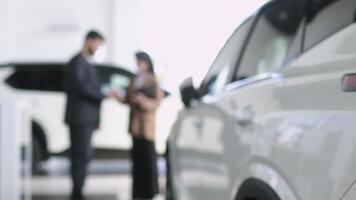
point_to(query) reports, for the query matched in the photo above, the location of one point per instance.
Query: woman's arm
(148, 103)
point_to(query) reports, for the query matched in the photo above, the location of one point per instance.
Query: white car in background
(41, 84)
(275, 117)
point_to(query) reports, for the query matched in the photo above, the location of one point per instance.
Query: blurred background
(183, 37)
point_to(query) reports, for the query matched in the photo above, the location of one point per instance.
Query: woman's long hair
(143, 56)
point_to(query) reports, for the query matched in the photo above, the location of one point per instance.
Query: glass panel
(326, 18)
(220, 72)
(271, 39)
(43, 78)
(266, 50)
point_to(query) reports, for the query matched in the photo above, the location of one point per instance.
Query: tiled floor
(109, 180)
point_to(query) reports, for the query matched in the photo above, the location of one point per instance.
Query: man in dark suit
(83, 108)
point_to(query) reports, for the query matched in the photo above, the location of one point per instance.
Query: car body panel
(313, 134)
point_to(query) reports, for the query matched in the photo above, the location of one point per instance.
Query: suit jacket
(143, 120)
(82, 86)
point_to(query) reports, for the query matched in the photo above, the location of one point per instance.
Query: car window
(220, 72)
(113, 79)
(327, 17)
(271, 39)
(296, 46)
(40, 78)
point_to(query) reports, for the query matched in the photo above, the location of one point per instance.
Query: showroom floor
(108, 180)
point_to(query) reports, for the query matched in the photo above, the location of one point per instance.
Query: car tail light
(348, 83)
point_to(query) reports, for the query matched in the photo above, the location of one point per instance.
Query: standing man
(83, 108)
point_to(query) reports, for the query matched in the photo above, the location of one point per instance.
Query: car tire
(253, 189)
(37, 156)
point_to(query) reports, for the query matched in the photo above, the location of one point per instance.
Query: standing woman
(143, 96)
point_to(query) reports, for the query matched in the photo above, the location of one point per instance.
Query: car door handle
(245, 117)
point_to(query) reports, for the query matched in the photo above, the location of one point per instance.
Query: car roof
(62, 64)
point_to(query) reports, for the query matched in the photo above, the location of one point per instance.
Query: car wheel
(37, 156)
(253, 189)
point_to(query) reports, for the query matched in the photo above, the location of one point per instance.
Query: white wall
(51, 30)
(125, 32)
(184, 36)
(4, 33)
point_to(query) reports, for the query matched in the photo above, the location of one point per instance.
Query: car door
(232, 117)
(42, 86)
(113, 132)
(190, 143)
(311, 124)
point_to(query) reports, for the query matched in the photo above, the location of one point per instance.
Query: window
(50, 78)
(296, 46)
(327, 17)
(40, 78)
(220, 72)
(271, 39)
(113, 79)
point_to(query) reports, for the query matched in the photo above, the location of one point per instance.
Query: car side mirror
(188, 92)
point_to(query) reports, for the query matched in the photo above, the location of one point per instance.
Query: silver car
(275, 117)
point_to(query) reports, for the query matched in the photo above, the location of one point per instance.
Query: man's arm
(81, 84)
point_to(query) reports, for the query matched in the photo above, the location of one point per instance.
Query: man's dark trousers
(80, 154)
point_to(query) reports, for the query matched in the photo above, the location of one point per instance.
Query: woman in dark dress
(143, 96)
